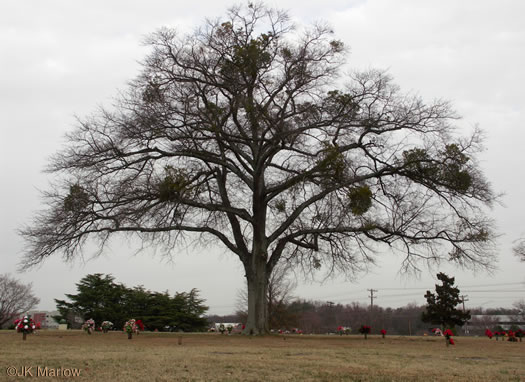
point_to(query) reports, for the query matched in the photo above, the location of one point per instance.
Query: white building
(45, 318)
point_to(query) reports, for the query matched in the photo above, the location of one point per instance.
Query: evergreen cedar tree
(246, 134)
(441, 306)
(99, 297)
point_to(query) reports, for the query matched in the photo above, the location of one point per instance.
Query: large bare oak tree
(246, 133)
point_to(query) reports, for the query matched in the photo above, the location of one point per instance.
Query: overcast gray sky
(60, 59)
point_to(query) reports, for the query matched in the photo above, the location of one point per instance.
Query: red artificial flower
(383, 331)
(448, 332)
(451, 341)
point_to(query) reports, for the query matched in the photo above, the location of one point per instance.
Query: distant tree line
(320, 317)
(99, 297)
(324, 317)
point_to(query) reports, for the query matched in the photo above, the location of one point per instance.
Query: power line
(497, 291)
(462, 286)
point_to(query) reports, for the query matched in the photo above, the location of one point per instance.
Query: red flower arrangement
(365, 329)
(512, 336)
(25, 325)
(437, 331)
(520, 334)
(489, 334)
(140, 326)
(383, 332)
(448, 335)
(499, 334)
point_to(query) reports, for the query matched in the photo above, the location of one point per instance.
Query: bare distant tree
(246, 134)
(479, 323)
(520, 311)
(519, 248)
(15, 298)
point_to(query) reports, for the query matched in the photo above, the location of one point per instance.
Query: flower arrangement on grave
(130, 327)
(448, 336)
(229, 328)
(500, 333)
(106, 326)
(437, 332)
(140, 326)
(340, 330)
(383, 332)
(222, 328)
(512, 336)
(365, 329)
(489, 333)
(520, 334)
(89, 326)
(25, 325)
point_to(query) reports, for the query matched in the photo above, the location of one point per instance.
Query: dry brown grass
(212, 357)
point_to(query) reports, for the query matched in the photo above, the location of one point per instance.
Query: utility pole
(330, 305)
(372, 297)
(463, 299)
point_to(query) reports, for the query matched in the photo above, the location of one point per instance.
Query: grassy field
(212, 357)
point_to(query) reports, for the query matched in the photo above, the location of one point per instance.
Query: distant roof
(496, 317)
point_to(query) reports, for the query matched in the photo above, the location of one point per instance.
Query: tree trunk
(257, 323)
(257, 273)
